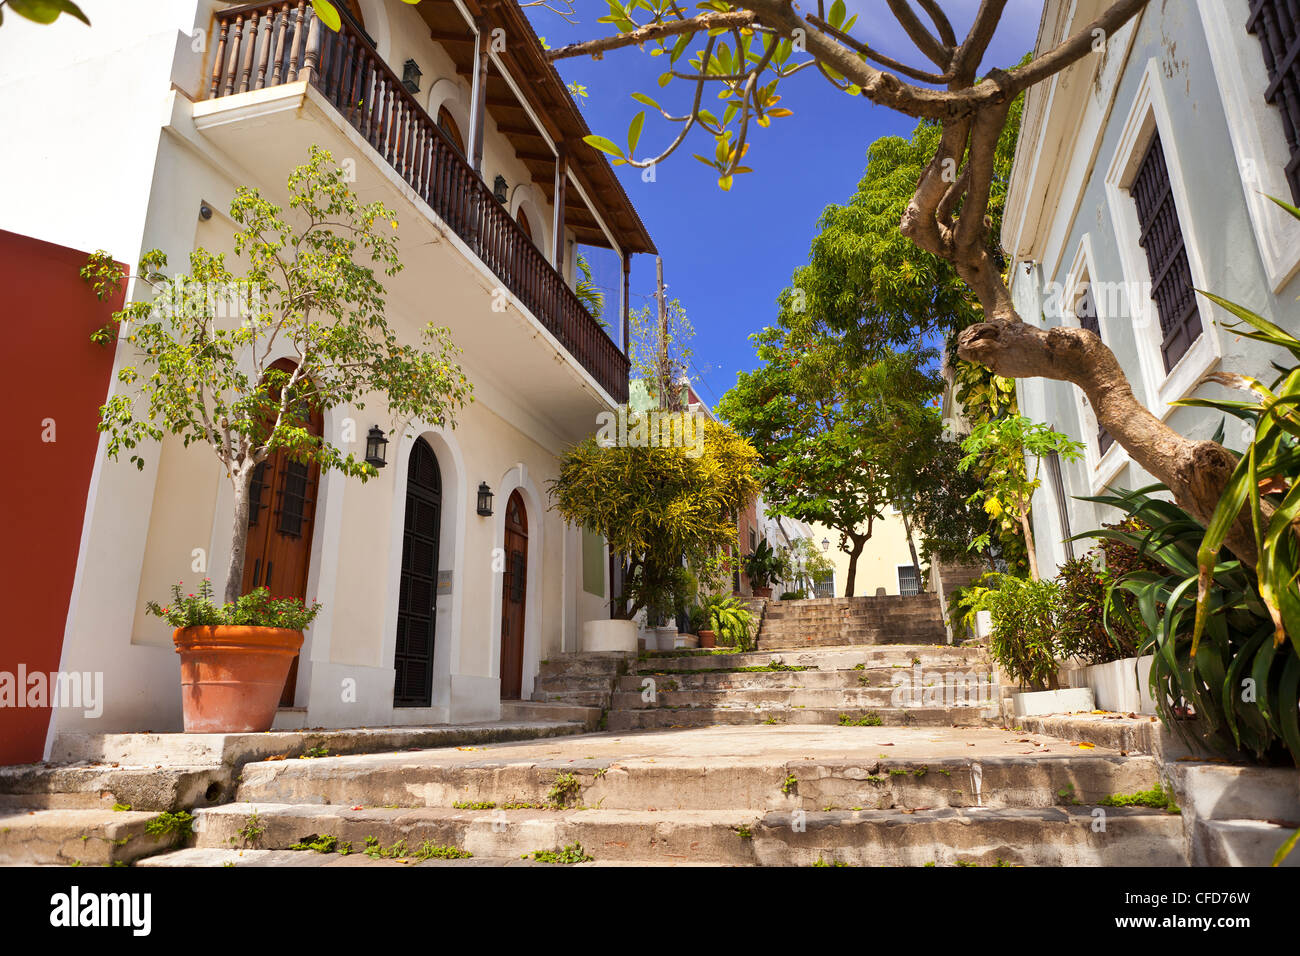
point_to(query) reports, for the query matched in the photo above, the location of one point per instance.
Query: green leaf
(47, 11)
(634, 132)
(642, 98)
(602, 144)
(328, 14)
(836, 17)
(665, 78)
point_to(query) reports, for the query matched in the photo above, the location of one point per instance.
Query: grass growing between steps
(1156, 798)
(565, 856)
(869, 719)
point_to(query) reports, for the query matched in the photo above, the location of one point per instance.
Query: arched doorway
(417, 602)
(281, 516)
(513, 591)
(448, 125)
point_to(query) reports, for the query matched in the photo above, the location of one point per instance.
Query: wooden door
(513, 591)
(281, 516)
(418, 598)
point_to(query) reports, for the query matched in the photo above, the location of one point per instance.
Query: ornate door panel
(514, 588)
(418, 599)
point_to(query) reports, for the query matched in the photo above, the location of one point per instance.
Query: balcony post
(561, 182)
(625, 300)
(483, 50)
(311, 57)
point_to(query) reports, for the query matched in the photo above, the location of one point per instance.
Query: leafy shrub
(255, 609)
(732, 621)
(1024, 640)
(1084, 625)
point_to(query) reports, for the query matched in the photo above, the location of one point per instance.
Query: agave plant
(1225, 634)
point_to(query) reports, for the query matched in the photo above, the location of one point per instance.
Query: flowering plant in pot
(234, 657)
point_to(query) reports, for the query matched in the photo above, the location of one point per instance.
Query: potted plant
(234, 657)
(206, 371)
(703, 626)
(764, 565)
(731, 621)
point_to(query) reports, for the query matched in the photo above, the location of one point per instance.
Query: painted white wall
(152, 168)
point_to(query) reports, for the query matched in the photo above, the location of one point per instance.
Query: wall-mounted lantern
(499, 188)
(411, 76)
(826, 544)
(376, 447)
(484, 499)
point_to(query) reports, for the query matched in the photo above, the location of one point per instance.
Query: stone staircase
(831, 622)
(720, 796)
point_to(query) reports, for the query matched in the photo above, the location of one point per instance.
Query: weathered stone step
(835, 638)
(424, 780)
(80, 837)
(233, 750)
(666, 717)
(975, 693)
(551, 712)
(51, 787)
(877, 677)
(1043, 836)
(592, 665)
(831, 657)
(193, 857)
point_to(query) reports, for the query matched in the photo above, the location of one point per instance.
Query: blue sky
(728, 255)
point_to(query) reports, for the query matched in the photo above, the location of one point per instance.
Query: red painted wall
(49, 369)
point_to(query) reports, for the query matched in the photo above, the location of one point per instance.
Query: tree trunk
(911, 546)
(858, 544)
(242, 475)
(1029, 544)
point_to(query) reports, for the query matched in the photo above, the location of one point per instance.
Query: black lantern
(376, 447)
(411, 76)
(484, 499)
(826, 544)
(499, 187)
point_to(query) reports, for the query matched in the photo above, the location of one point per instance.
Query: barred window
(824, 585)
(1161, 236)
(1277, 25)
(908, 583)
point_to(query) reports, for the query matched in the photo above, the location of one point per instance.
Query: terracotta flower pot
(232, 677)
(708, 639)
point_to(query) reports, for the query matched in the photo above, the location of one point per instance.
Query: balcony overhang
(518, 365)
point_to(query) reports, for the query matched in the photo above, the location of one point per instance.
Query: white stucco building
(134, 133)
(1141, 174)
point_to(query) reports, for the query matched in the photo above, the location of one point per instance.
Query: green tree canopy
(665, 509)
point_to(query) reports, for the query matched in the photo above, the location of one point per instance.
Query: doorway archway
(417, 605)
(514, 590)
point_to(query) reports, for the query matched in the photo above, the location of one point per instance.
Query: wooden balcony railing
(269, 44)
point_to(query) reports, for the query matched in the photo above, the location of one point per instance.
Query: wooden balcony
(269, 44)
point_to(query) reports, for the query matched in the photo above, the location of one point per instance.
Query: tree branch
(654, 31)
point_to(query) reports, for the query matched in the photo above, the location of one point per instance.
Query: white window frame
(1102, 469)
(898, 578)
(1255, 128)
(1149, 113)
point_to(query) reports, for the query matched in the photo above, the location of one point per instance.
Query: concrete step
(200, 857)
(53, 787)
(915, 679)
(662, 783)
(233, 750)
(595, 699)
(550, 712)
(667, 717)
(595, 665)
(78, 837)
(835, 638)
(1032, 837)
(976, 693)
(831, 657)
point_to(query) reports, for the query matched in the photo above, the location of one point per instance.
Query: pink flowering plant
(255, 609)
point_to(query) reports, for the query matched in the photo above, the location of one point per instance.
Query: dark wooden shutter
(1085, 310)
(1277, 25)
(1162, 239)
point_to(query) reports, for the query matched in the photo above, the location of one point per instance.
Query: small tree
(206, 342)
(663, 508)
(1002, 446)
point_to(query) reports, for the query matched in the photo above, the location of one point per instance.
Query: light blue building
(1142, 174)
